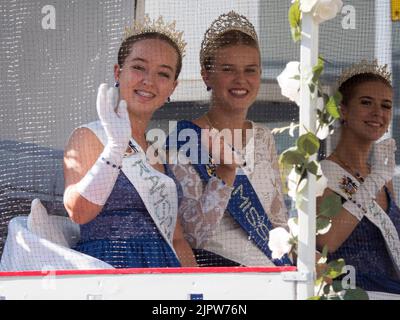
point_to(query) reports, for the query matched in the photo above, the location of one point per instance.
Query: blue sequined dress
(366, 251)
(124, 234)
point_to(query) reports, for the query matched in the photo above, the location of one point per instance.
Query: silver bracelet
(111, 164)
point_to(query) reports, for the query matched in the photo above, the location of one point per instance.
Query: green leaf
(335, 268)
(292, 156)
(308, 143)
(327, 118)
(332, 274)
(319, 281)
(324, 251)
(338, 97)
(330, 206)
(294, 17)
(327, 288)
(315, 298)
(355, 294)
(312, 167)
(332, 108)
(294, 14)
(317, 70)
(322, 223)
(293, 242)
(324, 254)
(337, 285)
(296, 34)
(312, 87)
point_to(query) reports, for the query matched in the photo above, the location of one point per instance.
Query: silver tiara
(365, 67)
(157, 26)
(224, 23)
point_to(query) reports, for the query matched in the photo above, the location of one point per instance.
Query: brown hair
(347, 88)
(229, 38)
(126, 47)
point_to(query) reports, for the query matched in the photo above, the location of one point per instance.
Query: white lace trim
(203, 207)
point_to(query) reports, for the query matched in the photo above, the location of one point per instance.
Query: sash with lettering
(157, 190)
(244, 205)
(336, 176)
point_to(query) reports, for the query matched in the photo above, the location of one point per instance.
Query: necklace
(212, 127)
(208, 121)
(356, 173)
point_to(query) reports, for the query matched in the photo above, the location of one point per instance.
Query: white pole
(383, 32)
(307, 212)
(383, 38)
(140, 9)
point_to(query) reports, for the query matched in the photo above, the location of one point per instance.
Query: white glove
(383, 159)
(382, 171)
(99, 181)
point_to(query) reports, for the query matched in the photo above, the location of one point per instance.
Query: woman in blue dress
(232, 194)
(126, 205)
(365, 233)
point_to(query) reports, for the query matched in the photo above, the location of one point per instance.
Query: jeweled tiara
(365, 67)
(224, 23)
(158, 26)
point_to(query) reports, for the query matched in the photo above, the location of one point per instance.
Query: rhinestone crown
(158, 26)
(365, 67)
(224, 23)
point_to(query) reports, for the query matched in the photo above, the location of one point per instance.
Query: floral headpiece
(158, 26)
(224, 23)
(365, 67)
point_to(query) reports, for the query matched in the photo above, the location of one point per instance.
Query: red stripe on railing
(149, 271)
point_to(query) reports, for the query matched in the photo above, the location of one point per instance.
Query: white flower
(326, 10)
(307, 5)
(293, 227)
(322, 183)
(292, 182)
(320, 103)
(279, 242)
(293, 179)
(290, 87)
(323, 132)
(322, 10)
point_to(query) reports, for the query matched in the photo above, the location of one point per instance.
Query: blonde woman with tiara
(230, 202)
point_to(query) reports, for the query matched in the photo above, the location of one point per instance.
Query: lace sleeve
(279, 215)
(202, 205)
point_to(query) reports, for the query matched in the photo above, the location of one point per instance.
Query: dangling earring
(208, 88)
(169, 99)
(116, 84)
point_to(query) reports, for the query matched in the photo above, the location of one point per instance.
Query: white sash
(335, 173)
(157, 191)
